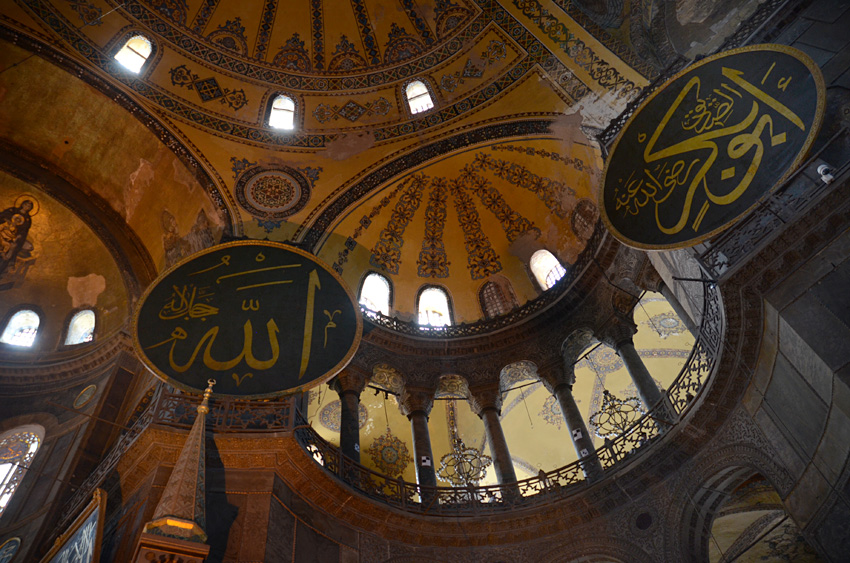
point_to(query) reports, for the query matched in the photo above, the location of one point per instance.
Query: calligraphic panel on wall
(704, 148)
(82, 540)
(261, 318)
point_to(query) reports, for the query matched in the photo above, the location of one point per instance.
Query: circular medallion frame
(605, 191)
(272, 193)
(85, 396)
(287, 309)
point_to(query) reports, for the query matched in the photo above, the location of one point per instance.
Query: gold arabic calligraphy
(189, 302)
(684, 165)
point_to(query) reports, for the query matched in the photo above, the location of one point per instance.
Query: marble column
(486, 402)
(416, 405)
(651, 280)
(618, 334)
(349, 384)
(559, 379)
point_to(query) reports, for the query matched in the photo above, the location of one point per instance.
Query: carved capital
(575, 344)
(485, 396)
(348, 381)
(556, 373)
(616, 331)
(413, 399)
(650, 279)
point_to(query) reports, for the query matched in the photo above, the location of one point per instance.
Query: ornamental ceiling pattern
(217, 62)
(450, 196)
(458, 222)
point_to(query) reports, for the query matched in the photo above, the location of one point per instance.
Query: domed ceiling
(456, 195)
(316, 37)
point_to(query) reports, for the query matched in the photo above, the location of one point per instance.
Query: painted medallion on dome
(271, 194)
(389, 454)
(331, 415)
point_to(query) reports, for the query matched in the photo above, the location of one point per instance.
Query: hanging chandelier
(616, 415)
(463, 465)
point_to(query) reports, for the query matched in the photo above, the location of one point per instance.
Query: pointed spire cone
(181, 512)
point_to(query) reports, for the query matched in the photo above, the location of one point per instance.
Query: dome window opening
(418, 97)
(134, 53)
(81, 328)
(17, 450)
(546, 268)
(375, 294)
(493, 300)
(434, 308)
(21, 329)
(282, 115)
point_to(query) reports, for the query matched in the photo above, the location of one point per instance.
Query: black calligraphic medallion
(702, 150)
(263, 319)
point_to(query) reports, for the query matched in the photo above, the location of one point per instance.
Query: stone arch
(452, 386)
(609, 550)
(577, 342)
(709, 482)
(387, 377)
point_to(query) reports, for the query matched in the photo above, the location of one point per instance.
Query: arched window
(375, 293)
(434, 307)
(21, 328)
(81, 328)
(134, 53)
(17, 450)
(546, 268)
(418, 97)
(493, 300)
(282, 114)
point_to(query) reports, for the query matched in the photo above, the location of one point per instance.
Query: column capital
(617, 331)
(556, 373)
(649, 278)
(416, 399)
(348, 381)
(483, 397)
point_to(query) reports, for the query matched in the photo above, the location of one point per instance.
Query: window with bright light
(282, 115)
(434, 307)
(17, 450)
(418, 97)
(375, 293)
(134, 53)
(81, 328)
(546, 268)
(21, 329)
(493, 300)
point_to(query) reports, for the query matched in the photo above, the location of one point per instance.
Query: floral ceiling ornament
(208, 89)
(551, 412)
(389, 454)
(616, 415)
(331, 415)
(665, 324)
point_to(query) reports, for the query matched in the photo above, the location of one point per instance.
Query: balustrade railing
(551, 486)
(726, 253)
(226, 415)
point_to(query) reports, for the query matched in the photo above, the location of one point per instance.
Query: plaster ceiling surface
(499, 167)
